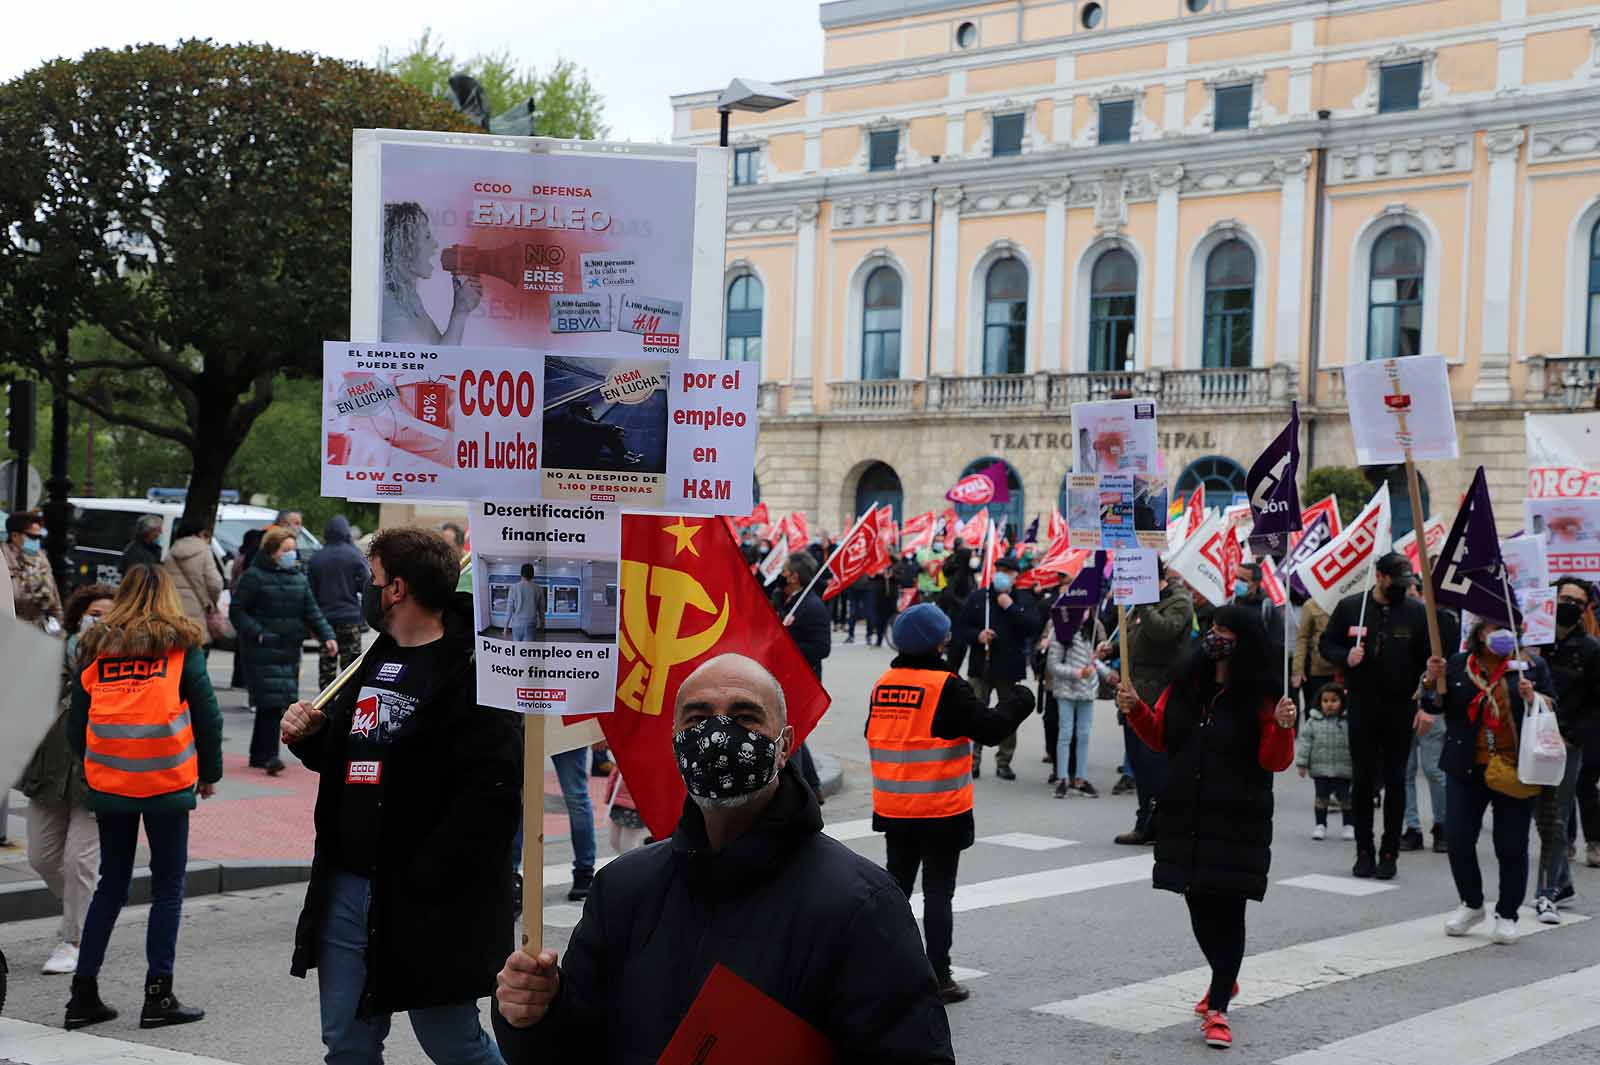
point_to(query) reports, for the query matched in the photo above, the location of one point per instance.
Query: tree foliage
(193, 203)
(566, 104)
(1346, 482)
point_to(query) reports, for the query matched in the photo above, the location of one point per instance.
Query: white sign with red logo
(1134, 577)
(1200, 561)
(1538, 606)
(1344, 565)
(1407, 544)
(544, 591)
(1400, 409)
(1572, 529)
(363, 771)
(1563, 455)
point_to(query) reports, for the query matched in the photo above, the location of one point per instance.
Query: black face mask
(1568, 615)
(722, 762)
(372, 611)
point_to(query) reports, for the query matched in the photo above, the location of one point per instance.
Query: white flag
(772, 565)
(1344, 565)
(1199, 561)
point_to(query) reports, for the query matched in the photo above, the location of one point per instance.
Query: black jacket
(1015, 630)
(1574, 662)
(273, 610)
(337, 573)
(959, 715)
(441, 920)
(959, 583)
(805, 919)
(139, 553)
(812, 629)
(1396, 650)
(1459, 754)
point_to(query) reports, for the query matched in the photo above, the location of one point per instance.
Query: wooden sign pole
(532, 834)
(1122, 644)
(1419, 525)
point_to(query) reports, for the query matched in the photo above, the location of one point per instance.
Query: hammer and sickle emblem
(654, 651)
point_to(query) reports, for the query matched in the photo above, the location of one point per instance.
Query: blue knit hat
(921, 629)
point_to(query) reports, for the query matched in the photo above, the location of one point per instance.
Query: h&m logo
(115, 669)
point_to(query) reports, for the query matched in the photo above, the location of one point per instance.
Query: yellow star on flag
(684, 534)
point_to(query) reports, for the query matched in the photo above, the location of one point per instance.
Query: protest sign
(1134, 577)
(1563, 455)
(1538, 607)
(1116, 493)
(544, 590)
(1343, 566)
(1407, 544)
(1527, 561)
(771, 567)
(1572, 529)
(495, 423)
(1400, 410)
(533, 243)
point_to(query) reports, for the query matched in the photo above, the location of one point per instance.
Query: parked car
(103, 527)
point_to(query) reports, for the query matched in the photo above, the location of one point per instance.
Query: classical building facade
(980, 213)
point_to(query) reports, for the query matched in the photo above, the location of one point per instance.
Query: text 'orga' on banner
(1116, 493)
(529, 242)
(496, 423)
(1563, 454)
(545, 590)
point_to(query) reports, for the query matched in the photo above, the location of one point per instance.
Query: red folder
(732, 1022)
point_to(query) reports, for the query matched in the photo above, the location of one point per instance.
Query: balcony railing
(995, 392)
(874, 397)
(1069, 388)
(1566, 381)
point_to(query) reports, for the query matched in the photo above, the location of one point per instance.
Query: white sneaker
(62, 961)
(1319, 832)
(1463, 920)
(1547, 912)
(1505, 931)
(1348, 833)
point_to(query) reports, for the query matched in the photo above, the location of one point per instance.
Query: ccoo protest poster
(495, 423)
(1116, 492)
(544, 595)
(584, 248)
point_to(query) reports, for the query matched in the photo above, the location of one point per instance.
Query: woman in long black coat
(1226, 729)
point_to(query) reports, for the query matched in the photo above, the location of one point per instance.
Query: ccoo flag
(1472, 573)
(861, 553)
(686, 596)
(1343, 566)
(988, 485)
(1270, 486)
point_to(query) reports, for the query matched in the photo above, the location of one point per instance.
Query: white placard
(30, 662)
(1527, 561)
(1400, 404)
(1115, 436)
(1538, 607)
(544, 589)
(1134, 577)
(1572, 528)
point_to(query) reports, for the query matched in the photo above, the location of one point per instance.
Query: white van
(104, 527)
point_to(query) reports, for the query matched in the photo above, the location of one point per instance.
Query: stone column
(945, 286)
(1053, 291)
(1163, 320)
(1291, 258)
(1494, 362)
(805, 301)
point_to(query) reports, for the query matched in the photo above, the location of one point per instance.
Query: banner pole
(1366, 593)
(1419, 522)
(1122, 644)
(818, 575)
(1511, 615)
(532, 834)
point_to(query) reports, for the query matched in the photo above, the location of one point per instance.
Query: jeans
(264, 735)
(1466, 799)
(1149, 775)
(523, 633)
(448, 1034)
(983, 688)
(572, 770)
(1077, 715)
(1426, 750)
(169, 855)
(1380, 747)
(1553, 809)
(1331, 793)
(859, 603)
(938, 859)
(1218, 923)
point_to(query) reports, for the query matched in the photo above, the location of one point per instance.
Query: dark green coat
(54, 774)
(273, 610)
(205, 719)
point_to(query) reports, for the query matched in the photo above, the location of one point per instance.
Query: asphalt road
(1053, 913)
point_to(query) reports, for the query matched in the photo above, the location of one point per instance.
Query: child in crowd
(627, 827)
(1323, 753)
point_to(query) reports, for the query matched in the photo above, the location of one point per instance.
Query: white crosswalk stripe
(1027, 841)
(1525, 1018)
(37, 1044)
(1152, 1005)
(844, 831)
(1338, 885)
(1050, 883)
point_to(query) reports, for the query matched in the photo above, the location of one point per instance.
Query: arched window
(1010, 511)
(1401, 519)
(879, 485)
(1221, 477)
(744, 319)
(1113, 306)
(1230, 305)
(880, 326)
(1005, 318)
(1593, 345)
(1394, 294)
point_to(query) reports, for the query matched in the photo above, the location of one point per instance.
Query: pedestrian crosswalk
(38, 1044)
(1339, 885)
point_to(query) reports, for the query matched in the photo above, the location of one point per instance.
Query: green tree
(1346, 482)
(566, 103)
(194, 203)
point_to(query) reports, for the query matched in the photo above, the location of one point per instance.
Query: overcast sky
(637, 52)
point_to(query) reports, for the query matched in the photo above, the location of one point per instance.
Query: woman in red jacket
(1226, 730)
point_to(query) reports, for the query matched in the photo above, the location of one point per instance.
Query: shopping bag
(1542, 754)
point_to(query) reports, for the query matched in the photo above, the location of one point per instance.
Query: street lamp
(743, 94)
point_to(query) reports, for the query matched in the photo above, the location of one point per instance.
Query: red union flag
(976, 490)
(1328, 505)
(1270, 583)
(917, 533)
(796, 532)
(1407, 544)
(991, 554)
(1196, 510)
(1344, 566)
(1056, 528)
(857, 556)
(686, 596)
(1232, 559)
(1061, 561)
(977, 527)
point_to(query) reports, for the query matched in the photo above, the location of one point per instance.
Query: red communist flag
(798, 526)
(976, 529)
(1196, 511)
(860, 554)
(687, 596)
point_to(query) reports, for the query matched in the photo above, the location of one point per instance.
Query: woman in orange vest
(145, 722)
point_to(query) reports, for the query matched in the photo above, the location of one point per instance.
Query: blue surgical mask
(1501, 643)
(288, 559)
(1002, 582)
(30, 545)
(1241, 589)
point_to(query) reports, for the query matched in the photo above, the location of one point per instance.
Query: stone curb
(27, 900)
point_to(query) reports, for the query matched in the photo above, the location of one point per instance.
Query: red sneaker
(1203, 1007)
(1216, 1030)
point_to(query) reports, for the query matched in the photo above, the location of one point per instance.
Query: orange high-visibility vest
(139, 742)
(913, 774)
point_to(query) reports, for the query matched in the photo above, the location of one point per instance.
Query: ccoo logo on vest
(113, 670)
(898, 699)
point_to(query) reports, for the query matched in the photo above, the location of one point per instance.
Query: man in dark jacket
(959, 583)
(409, 905)
(145, 547)
(1248, 591)
(1382, 656)
(337, 573)
(920, 721)
(999, 628)
(749, 882)
(812, 630)
(1574, 662)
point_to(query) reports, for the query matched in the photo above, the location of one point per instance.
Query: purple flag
(1078, 600)
(1312, 540)
(1270, 486)
(1472, 574)
(1032, 535)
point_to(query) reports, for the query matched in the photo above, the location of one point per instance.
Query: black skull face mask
(722, 762)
